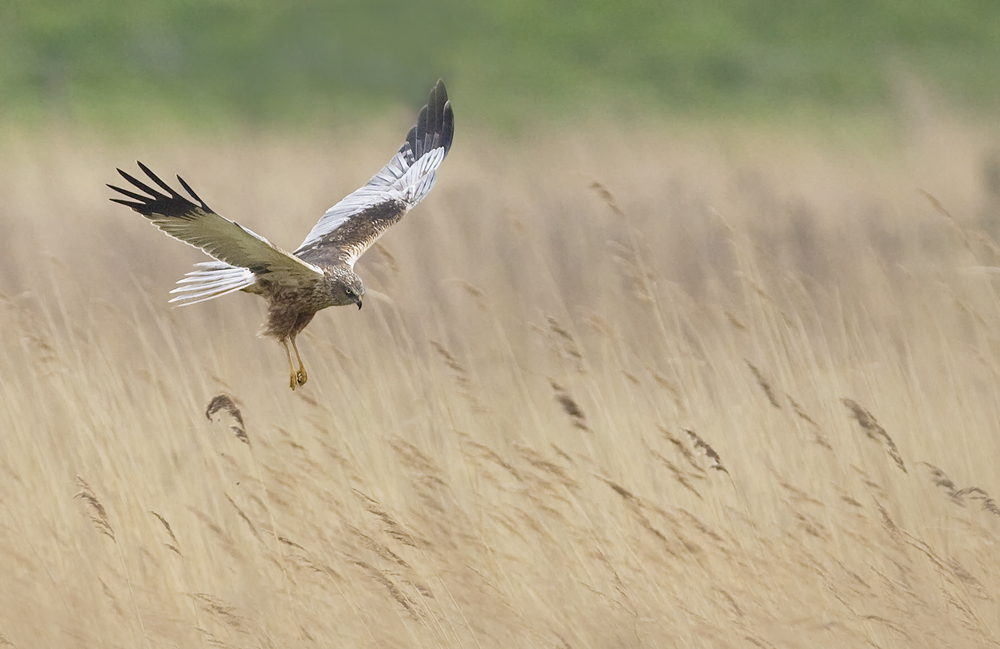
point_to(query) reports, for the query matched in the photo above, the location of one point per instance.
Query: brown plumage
(320, 273)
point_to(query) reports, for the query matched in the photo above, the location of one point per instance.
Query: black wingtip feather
(141, 185)
(435, 124)
(156, 204)
(156, 179)
(134, 206)
(130, 194)
(190, 191)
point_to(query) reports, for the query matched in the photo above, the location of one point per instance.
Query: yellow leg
(301, 377)
(294, 381)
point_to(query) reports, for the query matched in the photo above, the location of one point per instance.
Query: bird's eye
(350, 292)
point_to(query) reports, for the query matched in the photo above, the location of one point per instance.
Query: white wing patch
(398, 180)
(213, 279)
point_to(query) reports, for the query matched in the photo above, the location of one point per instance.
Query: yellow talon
(298, 377)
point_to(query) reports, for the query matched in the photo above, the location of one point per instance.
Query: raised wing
(236, 247)
(351, 226)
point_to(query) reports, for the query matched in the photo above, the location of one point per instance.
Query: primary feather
(396, 188)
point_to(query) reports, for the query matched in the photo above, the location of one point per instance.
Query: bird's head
(351, 288)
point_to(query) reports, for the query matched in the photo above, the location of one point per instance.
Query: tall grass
(599, 402)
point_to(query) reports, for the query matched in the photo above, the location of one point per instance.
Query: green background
(301, 62)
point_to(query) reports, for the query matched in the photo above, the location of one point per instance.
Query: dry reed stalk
(99, 517)
(394, 591)
(797, 494)
(968, 617)
(669, 386)
(566, 344)
(940, 479)
(386, 554)
(378, 548)
(639, 280)
(851, 501)
(416, 459)
(226, 540)
(175, 546)
(539, 461)
(853, 575)
(570, 407)
(867, 480)
(811, 526)
(307, 559)
(488, 453)
(951, 570)
(759, 290)
(888, 624)
(32, 330)
(619, 583)
(246, 519)
(461, 377)
(887, 521)
(561, 453)
(392, 527)
(701, 446)
(222, 611)
(607, 197)
(390, 260)
(970, 311)
(818, 436)
(874, 430)
(764, 384)
(987, 503)
(643, 280)
(968, 579)
(703, 527)
(600, 325)
(477, 294)
(758, 641)
(211, 639)
(943, 211)
(228, 404)
(685, 452)
(430, 485)
(674, 470)
(734, 321)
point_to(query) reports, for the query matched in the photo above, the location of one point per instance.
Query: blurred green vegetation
(208, 62)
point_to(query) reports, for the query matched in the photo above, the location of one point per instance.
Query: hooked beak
(359, 304)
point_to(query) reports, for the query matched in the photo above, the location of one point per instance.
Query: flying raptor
(320, 273)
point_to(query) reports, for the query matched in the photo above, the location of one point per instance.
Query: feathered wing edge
(176, 215)
(212, 279)
(410, 174)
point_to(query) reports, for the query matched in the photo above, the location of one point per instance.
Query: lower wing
(242, 254)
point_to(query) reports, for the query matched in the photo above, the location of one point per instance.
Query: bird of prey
(320, 273)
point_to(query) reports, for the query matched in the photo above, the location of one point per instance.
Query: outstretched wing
(351, 226)
(235, 246)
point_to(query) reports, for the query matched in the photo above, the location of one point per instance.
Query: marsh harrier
(320, 273)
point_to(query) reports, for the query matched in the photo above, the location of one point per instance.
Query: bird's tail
(212, 279)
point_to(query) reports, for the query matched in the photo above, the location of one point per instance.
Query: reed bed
(634, 390)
